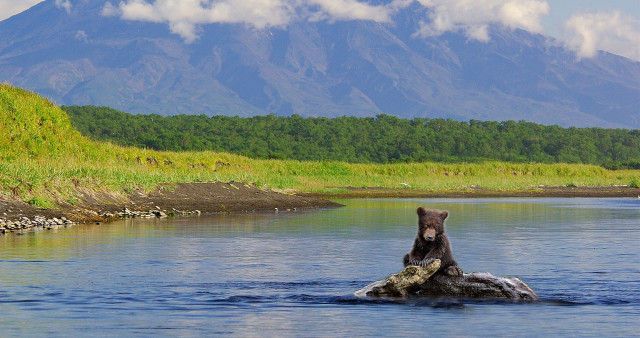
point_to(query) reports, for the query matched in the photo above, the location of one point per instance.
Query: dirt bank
(238, 197)
(204, 197)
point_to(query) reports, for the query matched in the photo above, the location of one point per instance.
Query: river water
(294, 274)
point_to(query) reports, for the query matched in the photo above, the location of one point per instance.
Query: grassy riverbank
(47, 163)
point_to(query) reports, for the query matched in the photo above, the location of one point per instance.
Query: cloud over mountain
(586, 33)
(474, 17)
(12, 7)
(184, 16)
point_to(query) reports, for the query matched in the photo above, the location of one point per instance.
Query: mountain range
(313, 68)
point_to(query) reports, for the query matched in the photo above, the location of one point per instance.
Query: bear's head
(430, 223)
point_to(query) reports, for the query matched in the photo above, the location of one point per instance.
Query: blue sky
(584, 26)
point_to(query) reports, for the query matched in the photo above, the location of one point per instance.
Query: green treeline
(380, 139)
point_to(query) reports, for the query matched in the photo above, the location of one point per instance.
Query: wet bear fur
(432, 243)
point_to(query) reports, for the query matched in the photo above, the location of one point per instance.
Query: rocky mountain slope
(362, 68)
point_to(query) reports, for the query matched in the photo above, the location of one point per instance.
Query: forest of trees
(380, 139)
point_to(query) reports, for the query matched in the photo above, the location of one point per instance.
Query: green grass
(41, 202)
(33, 127)
(45, 162)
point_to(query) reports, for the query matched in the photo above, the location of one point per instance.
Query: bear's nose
(430, 238)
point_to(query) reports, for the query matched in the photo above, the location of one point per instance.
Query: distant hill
(354, 68)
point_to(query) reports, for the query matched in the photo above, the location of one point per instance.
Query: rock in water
(478, 285)
(402, 284)
(416, 281)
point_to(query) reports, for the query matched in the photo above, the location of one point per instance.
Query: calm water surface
(293, 274)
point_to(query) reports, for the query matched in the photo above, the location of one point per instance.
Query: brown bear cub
(432, 243)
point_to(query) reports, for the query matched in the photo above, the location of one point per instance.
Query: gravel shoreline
(185, 199)
(196, 198)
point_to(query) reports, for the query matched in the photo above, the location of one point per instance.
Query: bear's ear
(444, 215)
(421, 211)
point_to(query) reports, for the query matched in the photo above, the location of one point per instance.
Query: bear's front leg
(453, 270)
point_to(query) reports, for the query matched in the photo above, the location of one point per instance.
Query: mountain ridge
(359, 68)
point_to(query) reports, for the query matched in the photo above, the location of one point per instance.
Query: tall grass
(42, 158)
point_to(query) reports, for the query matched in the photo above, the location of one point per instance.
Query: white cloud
(184, 16)
(64, 4)
(82, 36)
(110, 10)
(586, 33)
(9, 8)
(349, 10)
(473, 17)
